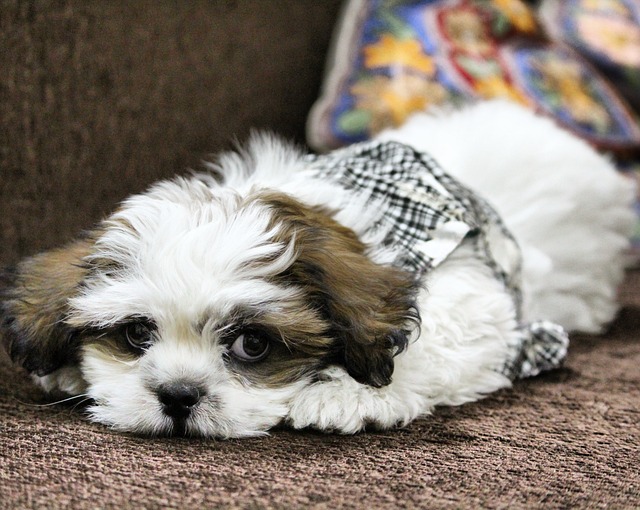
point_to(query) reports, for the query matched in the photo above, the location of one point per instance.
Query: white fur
(468, 323)
(566, 205)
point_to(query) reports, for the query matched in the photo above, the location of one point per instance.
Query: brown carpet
(98, 99)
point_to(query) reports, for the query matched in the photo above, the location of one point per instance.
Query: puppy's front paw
(336, 403)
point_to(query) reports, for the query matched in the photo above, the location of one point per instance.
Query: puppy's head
(205, 311)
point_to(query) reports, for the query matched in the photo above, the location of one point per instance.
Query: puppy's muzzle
(179, 399)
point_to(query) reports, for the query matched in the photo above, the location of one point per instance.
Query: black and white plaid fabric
(427, 215)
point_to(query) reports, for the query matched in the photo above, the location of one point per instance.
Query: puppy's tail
(567, 206)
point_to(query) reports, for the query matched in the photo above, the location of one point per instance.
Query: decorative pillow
(607, 32)
(393, 57)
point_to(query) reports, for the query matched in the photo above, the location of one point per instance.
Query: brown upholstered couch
(97, 100)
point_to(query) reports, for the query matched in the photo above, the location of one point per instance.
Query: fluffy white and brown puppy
(265, 292)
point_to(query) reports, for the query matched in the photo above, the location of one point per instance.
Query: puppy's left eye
(138, 335)
(250, 347)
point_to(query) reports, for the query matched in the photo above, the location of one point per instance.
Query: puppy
(362, 288)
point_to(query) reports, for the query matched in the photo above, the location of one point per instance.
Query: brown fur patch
(34, 304)
(368, 310)
(298, 338)
(110, 345)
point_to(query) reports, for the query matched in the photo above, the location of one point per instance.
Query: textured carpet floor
(568, 439)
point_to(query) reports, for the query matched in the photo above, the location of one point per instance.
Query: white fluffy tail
(567, 206)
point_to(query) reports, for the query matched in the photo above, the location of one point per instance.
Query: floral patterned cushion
(607, 32)
(393, 57)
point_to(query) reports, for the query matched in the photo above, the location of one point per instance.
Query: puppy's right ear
(34, 298)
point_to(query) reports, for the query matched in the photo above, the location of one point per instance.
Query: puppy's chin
(197, 310)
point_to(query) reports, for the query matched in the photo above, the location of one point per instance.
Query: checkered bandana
(427, 215)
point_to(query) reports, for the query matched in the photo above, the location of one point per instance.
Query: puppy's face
(198, 310)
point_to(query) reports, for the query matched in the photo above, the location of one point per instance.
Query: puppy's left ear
(370, 308)
(373, 312)
(33, 304)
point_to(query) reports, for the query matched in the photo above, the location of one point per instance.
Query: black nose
(178, 399)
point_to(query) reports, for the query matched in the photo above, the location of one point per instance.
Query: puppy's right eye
(250, 347)
(139, 335)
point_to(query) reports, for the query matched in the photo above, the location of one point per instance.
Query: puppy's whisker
(84, 398)
(74, 407)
